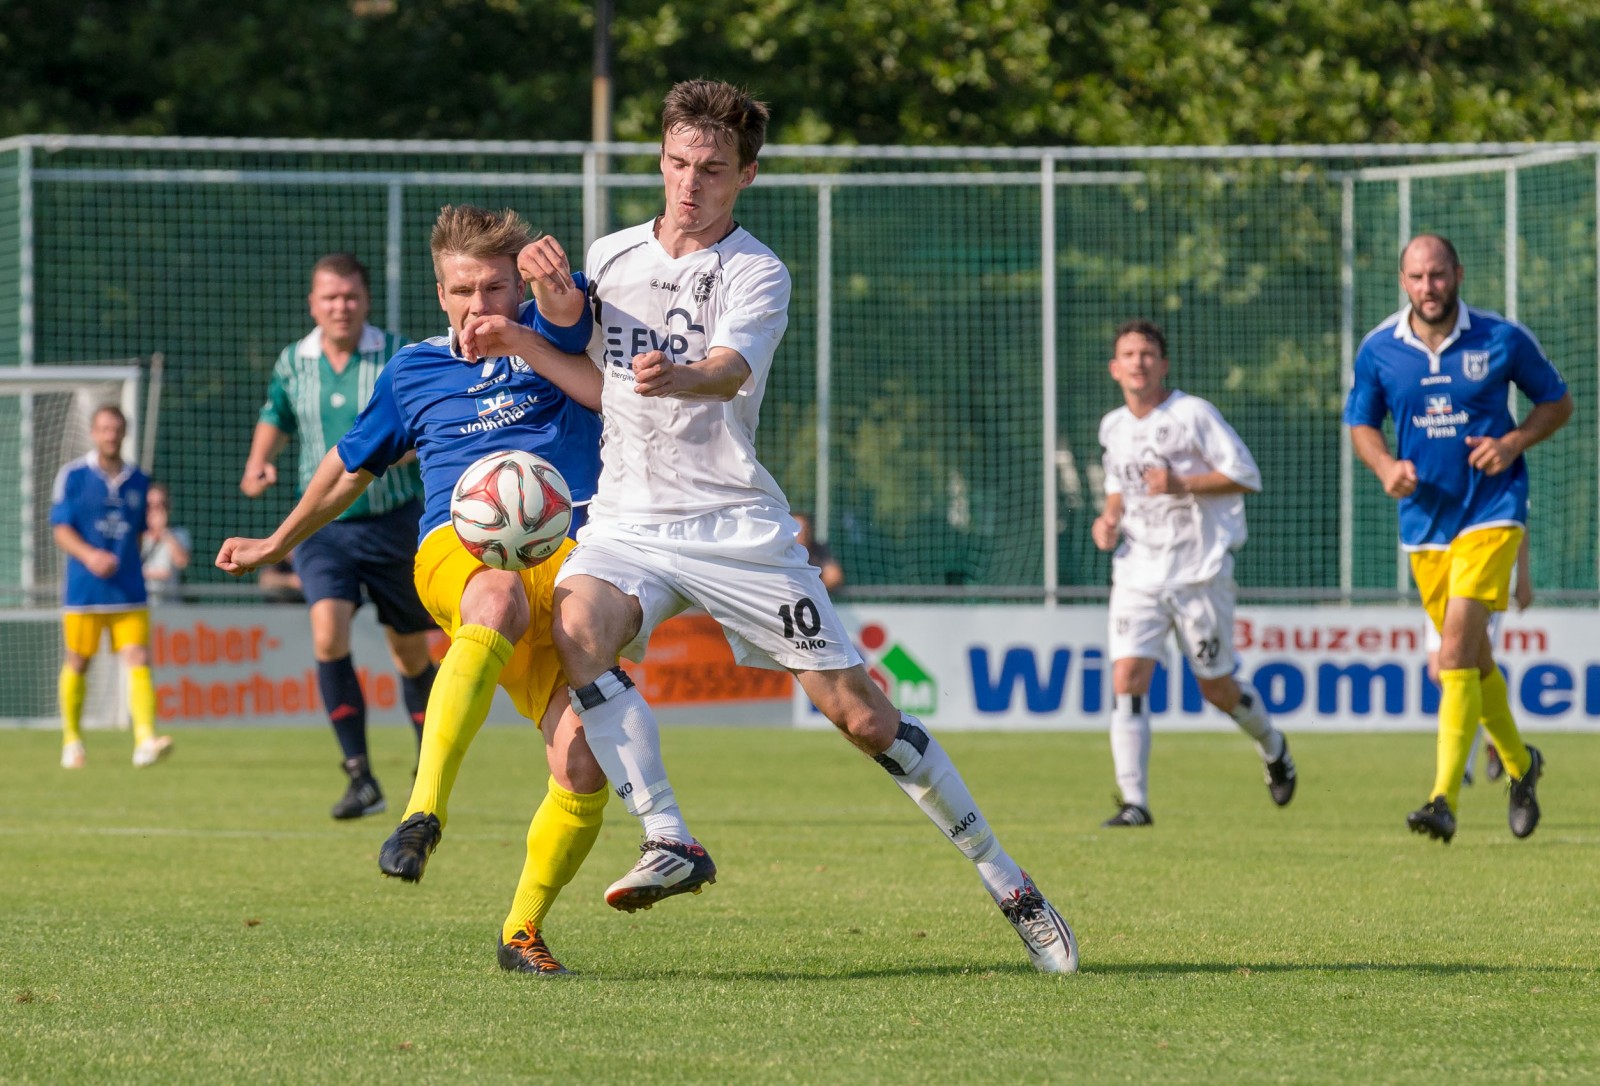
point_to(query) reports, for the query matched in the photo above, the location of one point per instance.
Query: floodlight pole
(596, 217)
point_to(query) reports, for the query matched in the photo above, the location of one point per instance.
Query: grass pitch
(205, 921)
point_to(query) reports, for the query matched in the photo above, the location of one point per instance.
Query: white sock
(1252, 719)
(626, 741)
(1472, 755)
(1130, 747)
(922, 769)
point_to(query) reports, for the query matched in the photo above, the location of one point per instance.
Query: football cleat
(526, 953)
(1493, 768)
(1052, 948)
(1523, 812)
(363, 797)
(665, 869)
(1434, 819)
(73, 755)
(1281, 776)
(405, 854)
(1130, 814)
(152, 750)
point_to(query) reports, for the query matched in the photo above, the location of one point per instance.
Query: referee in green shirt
(319, 385)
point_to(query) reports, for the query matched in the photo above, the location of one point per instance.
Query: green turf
(204, 921)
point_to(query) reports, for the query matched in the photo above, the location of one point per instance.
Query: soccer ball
(511, 509)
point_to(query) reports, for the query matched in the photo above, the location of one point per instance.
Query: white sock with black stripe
(626, 741)
(922, 769)
(1130, 747)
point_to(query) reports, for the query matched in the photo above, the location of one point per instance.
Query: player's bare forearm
(1108, 525)
(74, 545)
(259, 473)
(718, 376)
(1371, 448)
(330, 492)
(1215, 482)
(574, 374)
(1542, 420)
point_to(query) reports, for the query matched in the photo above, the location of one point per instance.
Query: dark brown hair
(1148, 329)
(709, 106)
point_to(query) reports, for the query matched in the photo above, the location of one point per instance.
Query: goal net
(44, 423)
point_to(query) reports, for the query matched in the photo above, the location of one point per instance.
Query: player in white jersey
(690, 310)
(1176, 475)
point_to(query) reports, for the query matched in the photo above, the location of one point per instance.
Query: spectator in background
(164, 549)
(319, 385)
(818, 554)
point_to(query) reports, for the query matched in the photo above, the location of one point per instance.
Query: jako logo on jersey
(1475, 365)
(490, 404)
(662, 284)
(897, 672)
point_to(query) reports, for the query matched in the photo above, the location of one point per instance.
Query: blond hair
(464, 230)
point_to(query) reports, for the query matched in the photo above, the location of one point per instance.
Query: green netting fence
(936, 400)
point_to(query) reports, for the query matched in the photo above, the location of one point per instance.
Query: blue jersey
(1437, 401)
(108, 511)
(453, 411)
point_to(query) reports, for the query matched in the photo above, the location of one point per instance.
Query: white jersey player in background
(690, 309)
(1176, 475)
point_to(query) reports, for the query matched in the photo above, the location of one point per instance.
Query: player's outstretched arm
(493, 336)
(331, 491)
(1399, 477)
(718, 376)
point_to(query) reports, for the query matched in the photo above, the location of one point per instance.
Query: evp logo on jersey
(684, 340)
(1475, 365)
(488, 405)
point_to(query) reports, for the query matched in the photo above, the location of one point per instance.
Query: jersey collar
(1403, 332)
(114, 481)
(311, 346)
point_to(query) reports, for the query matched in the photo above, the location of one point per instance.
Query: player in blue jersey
(319, 384)
(452, 410)
(1444, 372)
(97, 514)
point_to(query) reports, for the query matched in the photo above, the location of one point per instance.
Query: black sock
(415, 690)
(347, 708)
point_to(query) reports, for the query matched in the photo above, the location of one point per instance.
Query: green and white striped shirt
(306, 397)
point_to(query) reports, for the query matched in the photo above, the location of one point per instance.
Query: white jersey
(1175, 539)
(662, 458)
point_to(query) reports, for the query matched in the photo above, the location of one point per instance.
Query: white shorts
(1200, 614)
(1432, 642)
(742, 567)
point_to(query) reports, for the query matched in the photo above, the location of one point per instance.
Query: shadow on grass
(1121, 969)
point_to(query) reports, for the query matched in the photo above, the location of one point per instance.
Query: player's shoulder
(745, 254)
(1381, 336)
(608, 248)
(415, 360)
(71, 471)
(1187, 408)
(1500, 329)
(1112, 421)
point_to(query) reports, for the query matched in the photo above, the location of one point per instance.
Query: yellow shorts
(1476, 566)
(533, 675)
(84, 630)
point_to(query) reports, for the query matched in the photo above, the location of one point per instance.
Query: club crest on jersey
(1475, 365)
(704, 284)
(488, 405)
(519, 366)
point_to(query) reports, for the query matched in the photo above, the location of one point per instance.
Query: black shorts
(372, 553)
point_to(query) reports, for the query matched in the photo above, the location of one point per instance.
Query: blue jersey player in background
(453, 410)
(1444, 372)
(97, 515)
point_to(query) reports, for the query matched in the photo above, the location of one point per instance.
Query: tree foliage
(1006, 72)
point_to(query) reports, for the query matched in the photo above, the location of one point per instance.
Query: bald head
(1432, 248)
(1430, 274)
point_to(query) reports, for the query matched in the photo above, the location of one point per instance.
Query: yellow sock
(462, 691)
(1502, 726)
(1460, 706)
(142, 703)
(70, 687)
(560, 836)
